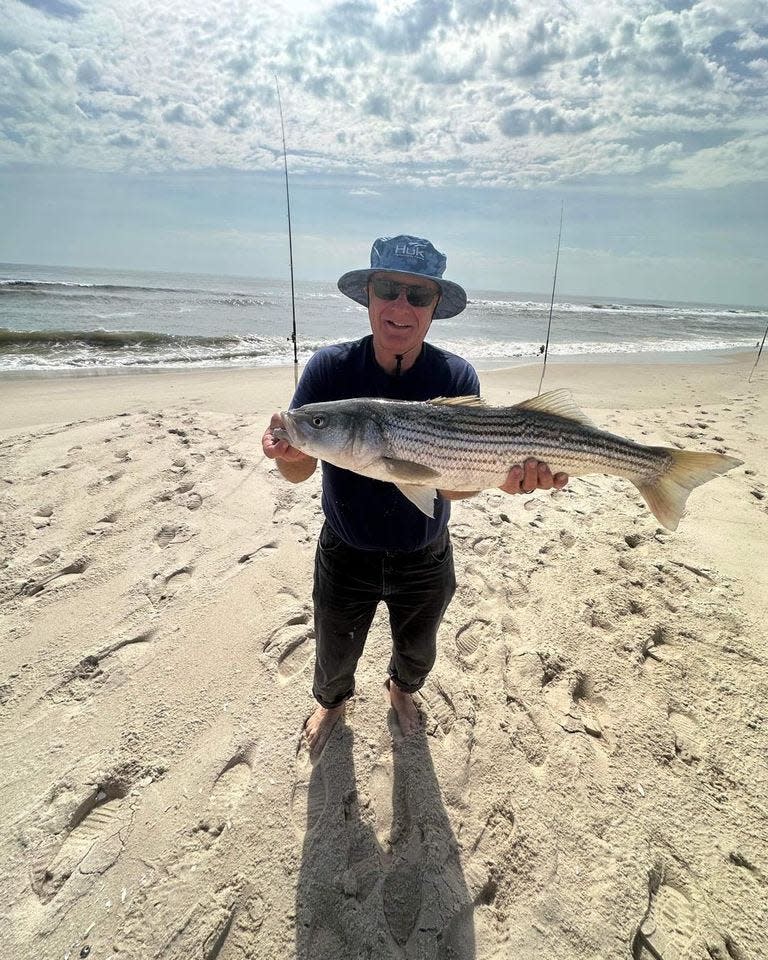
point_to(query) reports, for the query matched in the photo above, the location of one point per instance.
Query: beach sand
(592, 778)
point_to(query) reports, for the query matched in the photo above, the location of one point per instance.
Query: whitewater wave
(66, 286)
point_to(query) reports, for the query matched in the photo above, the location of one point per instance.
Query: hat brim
(453, 298)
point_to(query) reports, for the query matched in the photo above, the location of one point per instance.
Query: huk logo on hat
(410, 250)
(414, 256)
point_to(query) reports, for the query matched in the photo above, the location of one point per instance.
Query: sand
(591, 782)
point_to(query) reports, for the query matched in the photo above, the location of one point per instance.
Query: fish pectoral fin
(421, 497)
(560, 403)
(408, 471)
(468, 401)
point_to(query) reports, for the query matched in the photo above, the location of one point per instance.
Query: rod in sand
(757, 359)
(552, 301)
(290, 241)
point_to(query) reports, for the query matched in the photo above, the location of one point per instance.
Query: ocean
(66, 318)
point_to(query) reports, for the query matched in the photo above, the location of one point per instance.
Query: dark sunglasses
(415, 295)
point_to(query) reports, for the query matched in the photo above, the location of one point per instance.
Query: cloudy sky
(146, 134)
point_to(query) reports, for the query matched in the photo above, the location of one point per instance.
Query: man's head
(410, 260)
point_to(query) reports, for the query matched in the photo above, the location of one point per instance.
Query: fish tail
(667, 493)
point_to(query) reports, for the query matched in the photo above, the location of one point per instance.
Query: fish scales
(463, 438)
(460, 444)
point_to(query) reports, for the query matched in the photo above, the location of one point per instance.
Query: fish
(463, 444)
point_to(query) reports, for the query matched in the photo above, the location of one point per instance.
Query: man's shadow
(354, 900)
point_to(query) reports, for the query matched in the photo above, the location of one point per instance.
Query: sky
(145, 134)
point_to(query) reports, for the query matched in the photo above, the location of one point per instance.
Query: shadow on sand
(355, 900)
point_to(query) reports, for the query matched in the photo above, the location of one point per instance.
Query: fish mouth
(288, 432)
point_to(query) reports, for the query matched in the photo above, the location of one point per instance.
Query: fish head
(345, 433)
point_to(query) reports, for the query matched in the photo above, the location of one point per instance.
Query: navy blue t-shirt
(365, 513)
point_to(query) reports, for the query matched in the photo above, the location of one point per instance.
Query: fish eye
(319, 420)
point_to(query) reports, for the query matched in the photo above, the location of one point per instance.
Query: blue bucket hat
(411, 255)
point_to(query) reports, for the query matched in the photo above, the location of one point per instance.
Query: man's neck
(388, 361)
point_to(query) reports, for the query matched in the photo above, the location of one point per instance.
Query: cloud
(452, 91)
(56, 8)
(183, 113)
(739, 161)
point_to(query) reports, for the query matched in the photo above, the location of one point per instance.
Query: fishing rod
(552, 301)
(290, 241)
(754, 367)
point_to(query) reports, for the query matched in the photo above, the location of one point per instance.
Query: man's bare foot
(318, 727)
(408, 716)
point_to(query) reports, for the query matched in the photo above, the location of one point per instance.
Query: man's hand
(280, 449)
(533, 475)
(294, 465)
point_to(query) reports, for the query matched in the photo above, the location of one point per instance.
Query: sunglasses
(415, 295)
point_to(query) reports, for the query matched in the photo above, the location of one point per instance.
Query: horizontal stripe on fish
(461, 444)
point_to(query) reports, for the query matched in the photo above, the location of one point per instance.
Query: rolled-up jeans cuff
(332, 706)
(407, 688)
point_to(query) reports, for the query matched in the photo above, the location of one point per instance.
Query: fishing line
(762, 344)
(290, 241)
(552, 301)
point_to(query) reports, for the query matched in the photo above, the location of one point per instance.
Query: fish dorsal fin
(560, 403)
(471, 401)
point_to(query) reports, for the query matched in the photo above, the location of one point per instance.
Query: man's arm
(294, 465)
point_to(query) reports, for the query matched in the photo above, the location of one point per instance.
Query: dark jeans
(349, 583)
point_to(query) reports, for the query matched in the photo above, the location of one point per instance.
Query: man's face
(398, 327)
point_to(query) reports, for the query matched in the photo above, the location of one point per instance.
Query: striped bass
(462, 444)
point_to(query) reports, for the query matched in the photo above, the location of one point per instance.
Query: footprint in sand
(112, 476)
(450, 721)
(585, 711)
(49, 556)
(56, 469)
(688, 746)
(72, 570)
(82, 680)
(669, 928)
(227, 792)
(177, 468)
(92, 844)
(484, 546)
(527, 723)
(437, 706)
(308, 795)
(164, 586)
(231, 784)
(172, 533)
(471, 640)
(489, 855)
(42, 517)
(104, 525)
(402, 896)
(423, 889)
(265, 547)
(525, 731)
(235, 928)
(654, 650)
(290, 646)
(221, 924)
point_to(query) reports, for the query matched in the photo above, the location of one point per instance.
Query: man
(376, 545)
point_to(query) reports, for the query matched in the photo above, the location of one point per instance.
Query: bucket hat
(409, 255)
